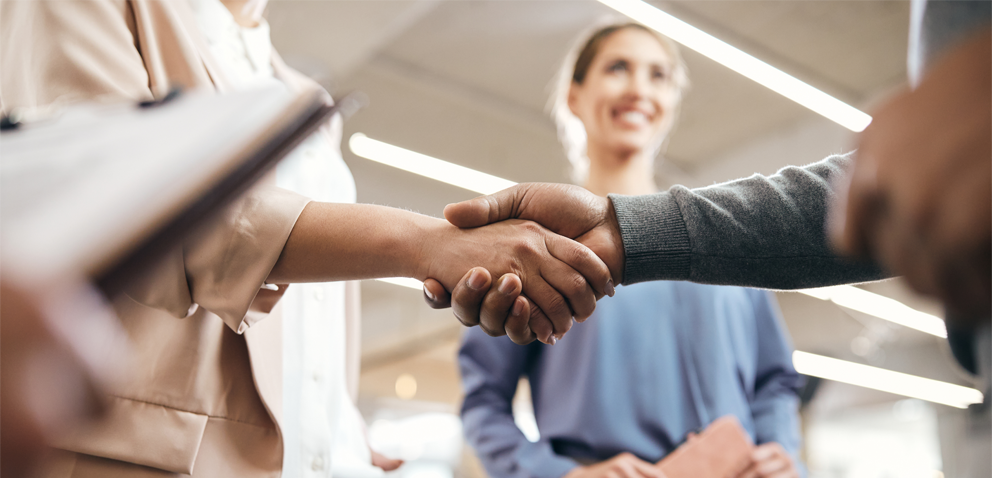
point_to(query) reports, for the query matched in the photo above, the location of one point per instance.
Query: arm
(774, 400)
(758, 232)
(775, 405)
(333, 242)
(490, 371)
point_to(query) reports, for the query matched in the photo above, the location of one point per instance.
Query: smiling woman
(672, 357)
(615, 82)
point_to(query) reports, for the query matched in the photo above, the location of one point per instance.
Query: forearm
(334, 242)
(776, 419)
(758, 231)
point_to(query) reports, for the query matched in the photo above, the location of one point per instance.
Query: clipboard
(105, 190)
(722, 450)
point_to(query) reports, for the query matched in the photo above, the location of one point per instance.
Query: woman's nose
(638, 85)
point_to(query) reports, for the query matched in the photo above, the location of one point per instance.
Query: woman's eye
(659, 74)
(617, 66)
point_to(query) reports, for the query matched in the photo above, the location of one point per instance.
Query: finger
(584, 261)
(764, 451)
(773, 465)
(539, 322)
(385, 463)
(570, 284)
(485, 209)
(788, 473)
(626, 469)
(552, 304)
(646, 469)
(518, 323)
(468, 295)
(497, 304)
(436, 296)
(860, 206)
(750, 472)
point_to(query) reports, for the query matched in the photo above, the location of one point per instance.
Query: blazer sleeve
(70, 51)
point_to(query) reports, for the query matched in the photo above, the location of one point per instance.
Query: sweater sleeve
(760, 231)
(775, 399)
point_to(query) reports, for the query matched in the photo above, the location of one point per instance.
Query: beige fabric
(205, 397)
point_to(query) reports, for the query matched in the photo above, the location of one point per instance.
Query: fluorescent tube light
(403, 282)
(880, 306)
(885, 380)
(427, 166)
(743, 63)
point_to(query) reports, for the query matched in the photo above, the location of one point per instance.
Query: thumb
(484, 210)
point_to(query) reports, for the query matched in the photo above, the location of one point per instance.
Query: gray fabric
(758, 232)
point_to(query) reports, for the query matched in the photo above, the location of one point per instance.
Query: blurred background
(468, 82)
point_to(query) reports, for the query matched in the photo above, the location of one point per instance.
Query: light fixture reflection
(885, 380)
(427, 166)
(743, 63)
(880, 306)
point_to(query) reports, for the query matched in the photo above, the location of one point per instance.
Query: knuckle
(557, 307)
(576, 286)
(525, 249)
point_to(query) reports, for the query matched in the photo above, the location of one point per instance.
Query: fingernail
(505, 287)
(476, 280)
(609, 288)
(552, 340)
(428, 293)
(518, 308)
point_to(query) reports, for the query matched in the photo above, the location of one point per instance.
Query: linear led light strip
(424, 165)
(885, 380)
(881, 307)
(743, 63)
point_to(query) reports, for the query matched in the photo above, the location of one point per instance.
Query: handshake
(556, 248)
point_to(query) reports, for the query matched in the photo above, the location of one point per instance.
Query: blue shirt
(656, 361)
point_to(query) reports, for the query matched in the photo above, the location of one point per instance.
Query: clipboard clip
(11, 121)
(174, 93)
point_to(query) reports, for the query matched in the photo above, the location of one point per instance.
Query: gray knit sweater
(758, 231)
(769, 231)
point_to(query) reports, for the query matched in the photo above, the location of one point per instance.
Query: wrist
(616, 260)
(428, 236)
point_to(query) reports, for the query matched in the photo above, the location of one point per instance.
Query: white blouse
(323, 433)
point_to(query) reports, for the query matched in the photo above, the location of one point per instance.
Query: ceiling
(467, 81)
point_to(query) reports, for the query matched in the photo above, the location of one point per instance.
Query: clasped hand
(919, 198)
(580, 230)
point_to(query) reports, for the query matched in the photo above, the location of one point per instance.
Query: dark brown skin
(567, 210)
(919, 199)
(358, 241)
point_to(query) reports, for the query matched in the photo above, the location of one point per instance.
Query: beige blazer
(205, 396)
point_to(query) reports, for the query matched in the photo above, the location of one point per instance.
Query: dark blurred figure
(56, 352)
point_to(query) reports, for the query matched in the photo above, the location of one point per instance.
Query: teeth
(635, 117)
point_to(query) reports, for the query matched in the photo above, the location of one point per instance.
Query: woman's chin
(629, 144)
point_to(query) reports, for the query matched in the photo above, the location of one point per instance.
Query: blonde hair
(573, 70)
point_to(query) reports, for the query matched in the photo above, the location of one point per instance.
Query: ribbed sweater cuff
(655, 239)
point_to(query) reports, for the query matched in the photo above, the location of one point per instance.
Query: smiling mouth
(632, 118)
